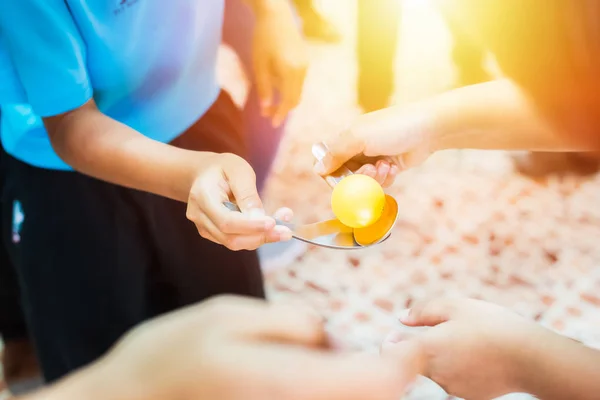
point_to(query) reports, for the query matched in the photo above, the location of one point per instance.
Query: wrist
(566, 369)
(533, 357)
(187, 166)
(427, 119)
(443, 122)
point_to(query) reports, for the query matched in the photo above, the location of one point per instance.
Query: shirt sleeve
(11, 90)
(48, 54)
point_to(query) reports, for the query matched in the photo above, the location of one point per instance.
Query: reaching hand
(280, 60)
(233, 348)
(380, 144)
(474, 349)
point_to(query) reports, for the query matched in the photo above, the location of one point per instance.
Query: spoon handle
(233, 207)
(319, 151)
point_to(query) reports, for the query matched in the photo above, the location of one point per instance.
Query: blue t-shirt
(148, 64)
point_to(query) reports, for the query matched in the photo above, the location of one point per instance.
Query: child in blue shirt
(125, 91)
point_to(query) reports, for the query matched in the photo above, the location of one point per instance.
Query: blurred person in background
(95, 258)
(279, 353)
(265, 111)
(378, 32)
(547, 99)
(379, 26)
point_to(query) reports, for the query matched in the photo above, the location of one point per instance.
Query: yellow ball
(358, 201)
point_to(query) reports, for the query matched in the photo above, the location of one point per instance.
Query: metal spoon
(332, 233)
(379, 231)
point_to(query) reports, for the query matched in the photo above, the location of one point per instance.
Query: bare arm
(492, 115)
(561, 368)
(495, 115)
(97, 145)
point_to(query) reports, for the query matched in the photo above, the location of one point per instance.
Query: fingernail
(284, 237)
(404, 316)
(270, 224)
(370, 170)
(284, 233)
(287, 218)
(319, 168)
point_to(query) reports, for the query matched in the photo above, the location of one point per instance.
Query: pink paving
(469, 226)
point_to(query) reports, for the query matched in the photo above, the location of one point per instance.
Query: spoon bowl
(380, 230)
(372, 234)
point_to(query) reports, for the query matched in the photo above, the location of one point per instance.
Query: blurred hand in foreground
(232, 348)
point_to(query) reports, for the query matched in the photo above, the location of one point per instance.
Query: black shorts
(12, 322)
(95, 259)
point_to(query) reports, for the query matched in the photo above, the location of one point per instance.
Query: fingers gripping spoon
(332, 233)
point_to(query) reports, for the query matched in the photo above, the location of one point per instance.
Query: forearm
(561, 368)
(99, 146)
(496, 115)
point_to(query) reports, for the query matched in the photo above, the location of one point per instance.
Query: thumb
(430, 313)
(242, 182)
(340, 150)
(414, 158)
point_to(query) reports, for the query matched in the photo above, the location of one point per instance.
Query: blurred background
(470, 224)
